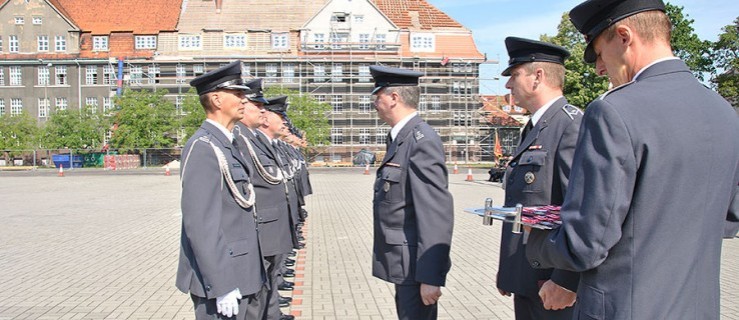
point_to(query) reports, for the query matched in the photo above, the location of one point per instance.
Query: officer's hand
(504, 293)
(430, 294)
(556, 297)
(228, 304)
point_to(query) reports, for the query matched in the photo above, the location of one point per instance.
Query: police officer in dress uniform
(412, 207)
(220, 260)
(274, 219)
(538, 175)
(653, 178)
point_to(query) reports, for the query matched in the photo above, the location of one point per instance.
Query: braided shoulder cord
(223, 164)
(276, 179)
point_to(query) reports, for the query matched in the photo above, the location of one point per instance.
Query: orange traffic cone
(366, 169)
(61, 171)
(456, 169)
(166, 170)
(469, 175)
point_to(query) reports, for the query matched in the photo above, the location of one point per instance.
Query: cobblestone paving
(104, 245)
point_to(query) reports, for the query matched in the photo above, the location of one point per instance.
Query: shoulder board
(571, 111)
(417, 134)
(204, 139)
(603, 96)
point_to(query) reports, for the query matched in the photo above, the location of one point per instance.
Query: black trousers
(272, 303)
(533, 309)
(409, 305)
(250, 307)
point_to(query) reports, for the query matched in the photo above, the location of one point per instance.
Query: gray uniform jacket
(546, 156)
(413, 209)
(292, 197)
(271, 205)
(655, 171)
(219, 244)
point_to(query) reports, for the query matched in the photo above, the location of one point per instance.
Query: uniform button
(513, 164)
(535, 264)
(207, 288)
(405, 241)
(529, 159)
(230, 252)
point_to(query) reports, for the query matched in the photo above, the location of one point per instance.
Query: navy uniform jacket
(272, 212)
(219, 244)
(546, 155)
(655, 171)
(413, 210)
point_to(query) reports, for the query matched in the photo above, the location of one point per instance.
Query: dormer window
(37, 20)
(100, 43)
(20, 20)
(339, 17)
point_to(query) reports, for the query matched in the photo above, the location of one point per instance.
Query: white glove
(228, 304)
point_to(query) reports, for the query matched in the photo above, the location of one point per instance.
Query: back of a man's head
(409, 95)
(554, 73)
(653, 27)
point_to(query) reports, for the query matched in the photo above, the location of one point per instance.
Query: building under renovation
(57, 54)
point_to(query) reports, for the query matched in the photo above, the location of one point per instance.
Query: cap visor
(237, 87)
(258, 99)
(507, 71)
(376, 89)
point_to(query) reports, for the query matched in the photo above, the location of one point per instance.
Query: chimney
(219, 5)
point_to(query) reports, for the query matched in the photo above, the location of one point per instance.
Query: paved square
(104, 245)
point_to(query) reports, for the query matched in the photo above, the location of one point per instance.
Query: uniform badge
(419, 135)
(386, 187)
(529, 177)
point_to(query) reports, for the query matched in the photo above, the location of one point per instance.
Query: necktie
(526, 130)
(388, 141)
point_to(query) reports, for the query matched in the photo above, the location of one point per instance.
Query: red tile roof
(137, 16)
(494, 115)
(403, 14)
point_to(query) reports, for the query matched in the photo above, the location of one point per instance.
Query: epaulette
(571, 111)
(417, 134)
(603, 96)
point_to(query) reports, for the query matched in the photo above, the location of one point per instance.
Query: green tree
(306, 114)
(687, 45)
(18, 132)
(143, 119)
(75, 129)
(582, 83)
(192, 114)
(725, 55)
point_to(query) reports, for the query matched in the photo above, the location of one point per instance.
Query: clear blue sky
(491, 21)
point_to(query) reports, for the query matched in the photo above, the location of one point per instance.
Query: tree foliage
(582, 83)
(75, 129)
(143, 119)
(306, 114)
(18, 132)
(725, 55)
(687, 45)
(192, 114)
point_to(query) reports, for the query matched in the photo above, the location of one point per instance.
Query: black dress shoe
(284, 304)
(285, 287)
(287, 317)
(289, 283)
(289, 264)
(288, 274)
(290, 260)
(301, 238)
(292, 254)
(286, 299)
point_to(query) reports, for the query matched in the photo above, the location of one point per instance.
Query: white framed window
(507, 108)
(288, 73)
(37, 20)
(43, 107)
(423, 42)
(339, 39)
(91, 75)
(319, 73)
(270, 72)
(178, 104)
(364, 136)
(364, 104)
(280, 41)
(145, 42)
(2, 76)
(100, 43)
(153, 74)
(60, 43)
(456, 88)
(422, 103)
(43, 75)
(180, 73)
(518, 109)
(107, 105)
(109, 76)
(136, 74)
(320, 98)
(319, 39)
(364, 41)
(20, 20)
(92, 103)
(245, 69)
(380, 39)
(337, 136)
(13, 44)
(190, 42)
(16, 106)
(16, 75)
(2, 107)
(380, 135)
(337, 69)
(234, 41)
(364, 73)
(61, 103)
(197, 69)
(435, 104)
(358, 18)
(43, 43)
(337, 103)
(1, 44)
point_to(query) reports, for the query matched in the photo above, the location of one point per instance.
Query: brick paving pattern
(104, 245)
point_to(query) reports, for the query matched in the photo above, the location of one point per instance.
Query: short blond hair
(650, 25)
(555, 72)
